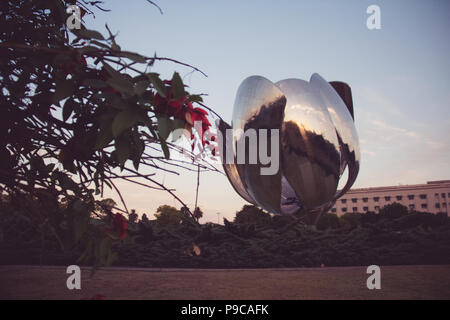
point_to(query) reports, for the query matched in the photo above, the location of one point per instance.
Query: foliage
(144, 218)
(350, 220)
(328, 221)
(79, 112)
(168, 216)
(250, 214)
(49, 229)
(393, 210)
(416, 238)
(198, 213)
(420, 239)
(133, 217)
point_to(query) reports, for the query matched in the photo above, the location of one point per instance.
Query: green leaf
(157, 83)
(121, 84)
(115, 47)
(165, 126)
(124, 120)
(68, 108)
(63, 89)
(108, 184)
(133, 56)
(122, 149)
(136, 164)
(100, 44)
(87, 49)
(195, 98)
(119, 81)
(111, 70)
(94, 83)
(117, 102)
(177, 133)
(50, 167)
(141, 86)
(139, 77)
(165, 149)
(138, 149)
(104, 137)
(66, 159)
(177, 86)
(88, 34)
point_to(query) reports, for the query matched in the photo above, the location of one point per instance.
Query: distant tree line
(254, 239)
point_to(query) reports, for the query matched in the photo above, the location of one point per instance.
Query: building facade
(434, 197)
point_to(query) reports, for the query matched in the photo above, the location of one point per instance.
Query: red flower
(198, 114)
(177, 103)
(179, 108)
(119, 224)
(169, 105)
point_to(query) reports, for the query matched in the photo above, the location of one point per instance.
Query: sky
(399, 75)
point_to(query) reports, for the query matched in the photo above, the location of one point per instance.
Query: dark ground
(397, 282)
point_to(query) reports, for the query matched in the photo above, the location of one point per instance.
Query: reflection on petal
(345, 128)
(259, 104)
(230, 168)
(309, 145)
(317, 141)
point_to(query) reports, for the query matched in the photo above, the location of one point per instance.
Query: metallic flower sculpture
(317, 141)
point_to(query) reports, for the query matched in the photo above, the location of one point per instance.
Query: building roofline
(428, 185)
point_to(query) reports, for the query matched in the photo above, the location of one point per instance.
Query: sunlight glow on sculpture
(318, 144)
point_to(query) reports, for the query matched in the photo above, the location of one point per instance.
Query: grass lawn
(397, 282)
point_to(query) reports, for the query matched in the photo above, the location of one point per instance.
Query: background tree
(198, 213)
(105, 206)
(168, 216)
(250, 214)
(144, 218)
(133, 217)
(328, 221)
(350, 219)
(393, 211)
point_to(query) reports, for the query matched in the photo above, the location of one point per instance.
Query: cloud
(384, 125)
(369, 153)
(371, 96)
(436, 145)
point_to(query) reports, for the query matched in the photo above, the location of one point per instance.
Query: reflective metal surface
(230, 168)
(259, 104)
(317, 141)
(345, 130)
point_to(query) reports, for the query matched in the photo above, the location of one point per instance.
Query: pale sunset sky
(400, 76)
